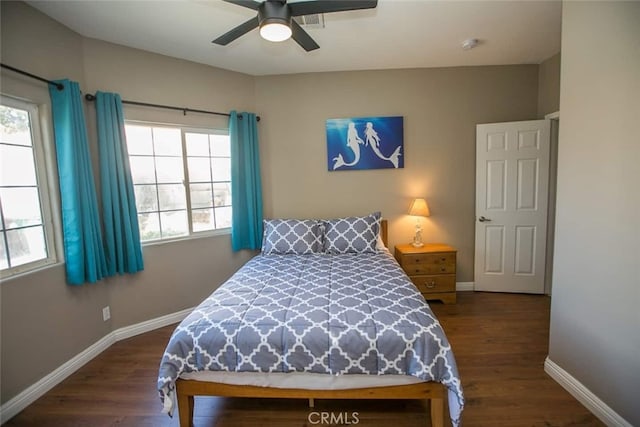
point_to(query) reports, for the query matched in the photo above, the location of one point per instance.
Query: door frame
(551, 203)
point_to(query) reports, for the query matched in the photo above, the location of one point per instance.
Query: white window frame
(43, 182)
(186, 182)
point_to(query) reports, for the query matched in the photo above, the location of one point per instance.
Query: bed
(325, 305)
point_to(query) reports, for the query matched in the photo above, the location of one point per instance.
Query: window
(182, 179)
(26, 230)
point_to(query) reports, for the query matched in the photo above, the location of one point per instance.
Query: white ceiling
(397, 34)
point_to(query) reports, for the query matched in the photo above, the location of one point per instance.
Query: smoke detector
(469, 44)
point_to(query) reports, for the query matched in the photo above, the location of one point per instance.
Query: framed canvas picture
(365, 143)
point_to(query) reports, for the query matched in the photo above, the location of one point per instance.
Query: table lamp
(419, 208)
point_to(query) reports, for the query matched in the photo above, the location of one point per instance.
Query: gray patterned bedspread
(331, 314)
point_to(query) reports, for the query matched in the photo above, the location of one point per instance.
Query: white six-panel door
(512, 180)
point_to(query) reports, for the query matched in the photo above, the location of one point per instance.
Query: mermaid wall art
(365, 143)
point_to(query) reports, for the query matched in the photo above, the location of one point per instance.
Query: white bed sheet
(307, 381)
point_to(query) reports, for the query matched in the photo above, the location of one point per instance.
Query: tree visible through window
(25, 241)
(182, 180)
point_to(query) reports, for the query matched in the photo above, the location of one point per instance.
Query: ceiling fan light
(274, 30)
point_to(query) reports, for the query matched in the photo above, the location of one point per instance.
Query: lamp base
(417, 238)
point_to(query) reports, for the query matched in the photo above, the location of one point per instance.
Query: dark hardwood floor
(500, 342)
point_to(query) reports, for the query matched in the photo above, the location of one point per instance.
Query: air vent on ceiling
(311, 21)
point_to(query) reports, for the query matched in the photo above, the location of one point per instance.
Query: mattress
(305, 380)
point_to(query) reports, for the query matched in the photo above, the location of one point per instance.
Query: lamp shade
(419, 207)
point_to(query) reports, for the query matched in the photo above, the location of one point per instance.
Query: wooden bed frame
(187, 389)
(435, 392)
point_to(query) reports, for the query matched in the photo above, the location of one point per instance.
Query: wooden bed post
(185, 406)
(437, 412)
(383, 232)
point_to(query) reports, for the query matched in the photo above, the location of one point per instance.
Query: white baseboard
(12, 407)
(150, 325)
(584, 395)
(465, 286)
(33, 392)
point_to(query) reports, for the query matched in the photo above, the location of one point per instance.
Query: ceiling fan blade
(302, 37)
(245, 3)
(238, 31)
(328, 6)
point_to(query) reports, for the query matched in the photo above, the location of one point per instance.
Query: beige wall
(549, 86)
(441, 108)
(595, 321)
(44, 321)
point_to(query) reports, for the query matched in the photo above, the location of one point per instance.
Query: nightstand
(432, 268)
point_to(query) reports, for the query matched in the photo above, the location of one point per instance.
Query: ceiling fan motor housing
(271, 12)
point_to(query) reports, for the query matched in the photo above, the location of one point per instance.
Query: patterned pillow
(352, 234)
(291, 236)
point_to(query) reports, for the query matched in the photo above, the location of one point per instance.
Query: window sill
(200, 235)
(9, 277)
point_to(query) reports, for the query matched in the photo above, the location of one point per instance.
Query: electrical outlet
(106, 313)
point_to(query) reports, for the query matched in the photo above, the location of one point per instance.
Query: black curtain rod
(185, 110)
(90, 97)
(59, 86)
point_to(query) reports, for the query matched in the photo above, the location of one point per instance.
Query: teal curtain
(246, 185)
(83, 247)
(121, 231)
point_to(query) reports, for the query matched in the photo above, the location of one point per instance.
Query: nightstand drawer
(440, 258)
(430, 284)
(440, 264)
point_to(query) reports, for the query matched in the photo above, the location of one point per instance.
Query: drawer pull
(443, 259)
(443, 268)
(431, 284)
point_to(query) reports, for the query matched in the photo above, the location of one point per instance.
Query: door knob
(483, 219)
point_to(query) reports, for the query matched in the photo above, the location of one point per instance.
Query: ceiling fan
(275, 18)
